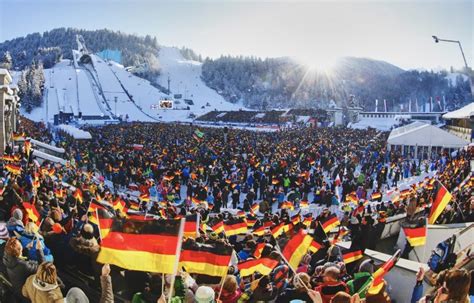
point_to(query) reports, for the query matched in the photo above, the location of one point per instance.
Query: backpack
(443, 256)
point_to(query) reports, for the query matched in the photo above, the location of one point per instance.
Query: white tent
(421, 135)
(462, 113)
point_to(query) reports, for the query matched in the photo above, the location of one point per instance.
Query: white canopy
(462, 113)
(422, 134)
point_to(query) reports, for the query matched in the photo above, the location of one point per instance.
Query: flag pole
(98, 223)
(291, 267)
(223, 279)
(178, 254)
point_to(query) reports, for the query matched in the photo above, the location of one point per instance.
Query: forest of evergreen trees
(283, 82)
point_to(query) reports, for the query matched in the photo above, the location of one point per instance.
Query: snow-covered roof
(462, 113)
(47, 146)
(422, 134)
(45, 156)
(75, 132)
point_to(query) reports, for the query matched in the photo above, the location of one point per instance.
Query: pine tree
(7, 61)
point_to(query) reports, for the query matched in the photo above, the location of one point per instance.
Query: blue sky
(316, 32)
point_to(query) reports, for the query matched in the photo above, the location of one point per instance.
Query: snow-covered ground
(92, 89)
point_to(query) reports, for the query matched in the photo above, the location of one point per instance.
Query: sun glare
(319, 64)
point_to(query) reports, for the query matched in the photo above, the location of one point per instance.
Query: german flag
(27, 146)
(134, 205)
(379, 274)
(296, 248)
(349, 256)
(235, 226)
(352, 197)
(259, 231)
(416, 235)
(307, 221)
(8, 158)
(251, 220)
(32, 212)
(93, 205)
(277, 230)
(218, 227)
(287, 205)
(145, 197)
(205, 259)
(191, 226)
(13, 169)
(275, 181)
(314, 246)
(376, 196)
(259, 249)
(329, 223)
(263, 265)
(296, 219)
(288, 227)
(120, 206)
(240, 214)
(405, 193)
(255, 207)
(149, 246)
(304, 204)
(78, 195)
(59, 193)
(443, 196)
(103, 219)
(18, 136)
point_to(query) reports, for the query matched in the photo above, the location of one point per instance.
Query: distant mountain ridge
(252, 82)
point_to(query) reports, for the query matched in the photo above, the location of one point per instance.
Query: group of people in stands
(334, 170)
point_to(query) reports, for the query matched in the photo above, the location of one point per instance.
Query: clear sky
(314, 31)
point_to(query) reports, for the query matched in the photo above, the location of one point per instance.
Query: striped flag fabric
(304, 204)
(103, 219)
(218, 227)
(251, 220)
(259, 231)
(78, 195)
(443, 196)
(277, 230)
(235, 226)
(416, 235)
(349, 256)
(205, 259)
(32, 212)
(329, 223)
(149, 246)
(255, 207)
(263, 265)
(296, 247)
(13, 169)
(314, 246)
(376, 196)
(120, 206)
(191, 226)
(259, 249)
(287, 205)
(380, 273)
(145, 197)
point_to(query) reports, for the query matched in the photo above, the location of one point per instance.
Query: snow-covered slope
(185, 77)
(93, 88)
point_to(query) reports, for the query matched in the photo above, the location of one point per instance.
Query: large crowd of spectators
(336, 170)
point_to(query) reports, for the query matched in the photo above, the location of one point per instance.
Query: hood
(43, 286)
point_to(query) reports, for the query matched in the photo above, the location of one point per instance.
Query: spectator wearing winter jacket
(43, 287)
(28, 240)
(19, 269)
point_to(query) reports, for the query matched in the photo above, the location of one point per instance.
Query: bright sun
(319, 64)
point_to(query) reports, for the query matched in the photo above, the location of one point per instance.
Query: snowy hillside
(102, 88)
